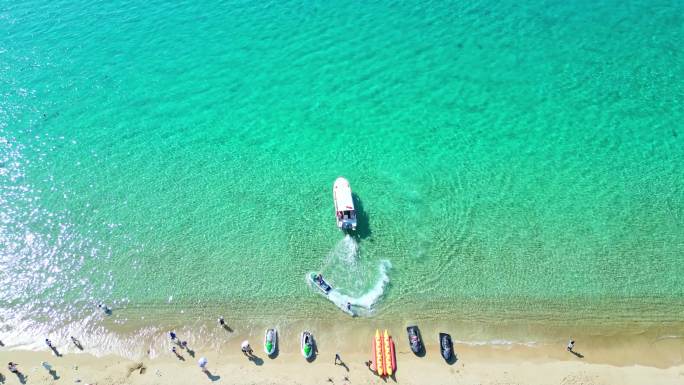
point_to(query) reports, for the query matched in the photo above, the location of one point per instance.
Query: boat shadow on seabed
(363, 229)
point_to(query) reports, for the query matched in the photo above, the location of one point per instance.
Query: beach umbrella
(202, 362)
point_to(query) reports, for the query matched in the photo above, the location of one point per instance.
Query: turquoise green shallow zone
(511, 160)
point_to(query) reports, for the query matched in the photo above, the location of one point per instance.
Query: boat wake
(346, 252)
(353, 281)
(365, 302)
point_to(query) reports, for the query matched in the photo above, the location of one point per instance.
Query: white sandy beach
(475, 365)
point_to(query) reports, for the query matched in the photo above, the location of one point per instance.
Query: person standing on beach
(246, 349)
(338, 360)
(571, 345)
(172, 335)
(222, 322)
(203, 364)
(12, 367)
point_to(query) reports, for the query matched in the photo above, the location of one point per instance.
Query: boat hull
(384, 359)
(379, 361)
(344, 205)
(446, 347)
(415, 340)
(271, 336)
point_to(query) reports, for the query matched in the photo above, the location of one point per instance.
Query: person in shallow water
(76, 342)
(104, 308)
(349, 306)
(175, 352)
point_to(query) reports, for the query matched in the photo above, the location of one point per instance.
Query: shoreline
(658, 346)
(475, 365)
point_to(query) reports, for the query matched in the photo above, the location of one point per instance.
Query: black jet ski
(446, 346)
(320, 283)
(415, 342)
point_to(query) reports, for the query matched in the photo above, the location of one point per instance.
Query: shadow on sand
(577, 354)
(22, 378)
(212, 377)
(54, 374)
(257, 360)
(452, 360)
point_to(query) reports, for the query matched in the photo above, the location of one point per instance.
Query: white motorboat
(344, 205)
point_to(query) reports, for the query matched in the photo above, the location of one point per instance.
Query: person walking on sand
(203, 364)
(338, 360)
(246, 349)
(222, 322)
(571, 345)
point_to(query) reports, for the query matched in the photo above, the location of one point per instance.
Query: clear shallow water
(512, 161)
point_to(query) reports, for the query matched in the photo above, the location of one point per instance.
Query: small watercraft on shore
(344, 205)
(307, 344)
(446, 346)
(384, 359)
(270, 341)
(415, 342)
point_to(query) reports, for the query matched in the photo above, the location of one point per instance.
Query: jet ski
(415, 342)
(325, 288)
(446, 347)
(320, 283)
(270, 341)
(307, 344)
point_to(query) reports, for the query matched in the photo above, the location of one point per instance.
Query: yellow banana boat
(380, 366)
(387, 353)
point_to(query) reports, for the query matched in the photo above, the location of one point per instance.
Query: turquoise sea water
(510, 160)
